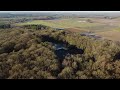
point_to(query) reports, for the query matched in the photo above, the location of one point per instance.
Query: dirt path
(76, 30)
(110, 35)
(113, 35)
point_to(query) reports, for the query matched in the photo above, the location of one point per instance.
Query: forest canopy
(30, 54)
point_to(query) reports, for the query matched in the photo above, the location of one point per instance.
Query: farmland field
(96, 24)
(63, 23)
(100, 26)
(113, 35)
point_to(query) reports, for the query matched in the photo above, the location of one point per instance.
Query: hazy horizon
(82, 13)
(59, 11)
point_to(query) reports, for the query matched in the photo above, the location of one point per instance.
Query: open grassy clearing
(63, 23)
(113, 35)
(76, 30)
(97, 24)
(117, 29)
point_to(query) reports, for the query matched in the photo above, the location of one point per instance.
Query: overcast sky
(60, 11)
(107, 13)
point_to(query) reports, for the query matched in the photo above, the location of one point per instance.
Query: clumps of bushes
(36, 27)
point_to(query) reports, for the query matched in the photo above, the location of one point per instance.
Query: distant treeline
(4, 26)
(44, 18)
(37, 27)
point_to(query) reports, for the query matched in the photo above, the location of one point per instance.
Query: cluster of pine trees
(25, 55)
(4, 26)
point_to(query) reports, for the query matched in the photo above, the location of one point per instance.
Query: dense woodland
(4, 26)
(28, 54)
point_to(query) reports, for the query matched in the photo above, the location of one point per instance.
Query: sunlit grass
(65, 23)
(74, 23)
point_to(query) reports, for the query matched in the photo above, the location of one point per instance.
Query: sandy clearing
(110, 35)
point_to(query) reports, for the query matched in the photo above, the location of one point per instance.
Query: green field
(79, 23)
(63, 23)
